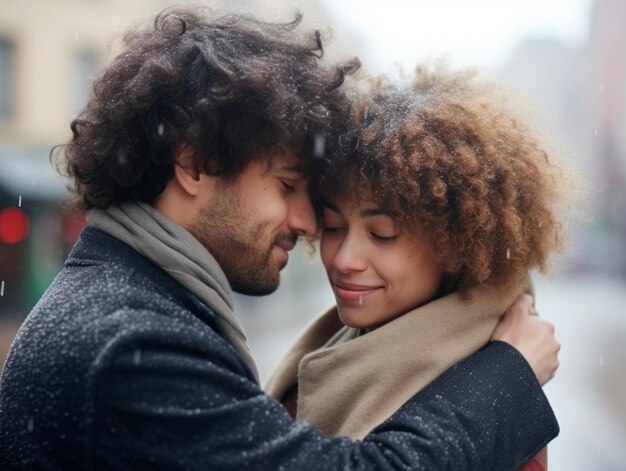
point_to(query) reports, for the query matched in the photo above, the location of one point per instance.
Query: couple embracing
(198, 163)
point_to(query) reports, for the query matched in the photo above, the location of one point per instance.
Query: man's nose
(302, 220)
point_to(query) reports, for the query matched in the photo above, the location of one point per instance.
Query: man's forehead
(288, 165)
(291, 171)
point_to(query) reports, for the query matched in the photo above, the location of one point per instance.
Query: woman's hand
(532, 336)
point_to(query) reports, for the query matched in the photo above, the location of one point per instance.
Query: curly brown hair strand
(230, 88)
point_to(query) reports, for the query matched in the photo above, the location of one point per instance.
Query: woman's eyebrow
(366, 213)
(372, 212)
(328, 205)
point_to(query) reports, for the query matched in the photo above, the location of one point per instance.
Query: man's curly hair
(228, 88)
(455, 164)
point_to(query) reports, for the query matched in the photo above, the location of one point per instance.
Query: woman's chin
(355, 318)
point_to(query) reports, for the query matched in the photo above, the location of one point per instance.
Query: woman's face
(376, 271)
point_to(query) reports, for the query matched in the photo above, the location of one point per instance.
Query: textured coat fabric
(120, 367)
(349, 387)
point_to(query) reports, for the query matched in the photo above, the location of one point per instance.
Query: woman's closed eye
(383, 237)
(332, 223)
(331, 229)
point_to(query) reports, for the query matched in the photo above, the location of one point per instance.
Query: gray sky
(471, 32)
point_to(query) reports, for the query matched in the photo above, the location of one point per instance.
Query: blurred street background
(565, 57)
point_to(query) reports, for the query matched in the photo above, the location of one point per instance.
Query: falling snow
(121, 158)
(319, 146)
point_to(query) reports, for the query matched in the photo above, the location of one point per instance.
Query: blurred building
(605, 102)
(581, 93)
(48, 51)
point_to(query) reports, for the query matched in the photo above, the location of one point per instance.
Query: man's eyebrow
(294, 171)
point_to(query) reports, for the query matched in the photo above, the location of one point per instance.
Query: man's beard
(239, 244)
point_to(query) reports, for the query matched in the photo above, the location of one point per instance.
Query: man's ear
(185, 173)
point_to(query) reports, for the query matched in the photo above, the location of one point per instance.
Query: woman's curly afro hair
(228, 88)
(456, 165)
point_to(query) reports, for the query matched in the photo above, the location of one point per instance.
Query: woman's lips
(349, 292)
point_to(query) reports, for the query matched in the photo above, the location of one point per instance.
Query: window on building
(85, 63)
(6, 77)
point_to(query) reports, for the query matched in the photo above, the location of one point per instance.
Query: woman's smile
(352, 292)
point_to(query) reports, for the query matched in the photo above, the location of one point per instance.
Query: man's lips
(351, 292)
(286, 244)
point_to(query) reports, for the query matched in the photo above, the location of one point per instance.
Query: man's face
(251, 223)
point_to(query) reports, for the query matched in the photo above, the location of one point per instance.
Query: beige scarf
(350, 387)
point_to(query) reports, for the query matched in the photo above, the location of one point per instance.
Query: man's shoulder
(103, 252)
(108, 290)
(107, 274)
(107, 301)
(108, 315)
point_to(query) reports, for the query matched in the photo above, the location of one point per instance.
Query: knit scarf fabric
(179, 254)
(349, 383)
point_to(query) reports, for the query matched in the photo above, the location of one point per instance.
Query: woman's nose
(350, 256)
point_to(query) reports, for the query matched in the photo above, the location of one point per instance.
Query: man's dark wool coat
(120, 367)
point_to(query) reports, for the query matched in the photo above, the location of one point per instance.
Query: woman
(436, 204)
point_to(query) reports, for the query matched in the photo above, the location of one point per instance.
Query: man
(192, 159)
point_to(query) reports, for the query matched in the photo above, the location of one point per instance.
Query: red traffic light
(14, 225)
(71, 225)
